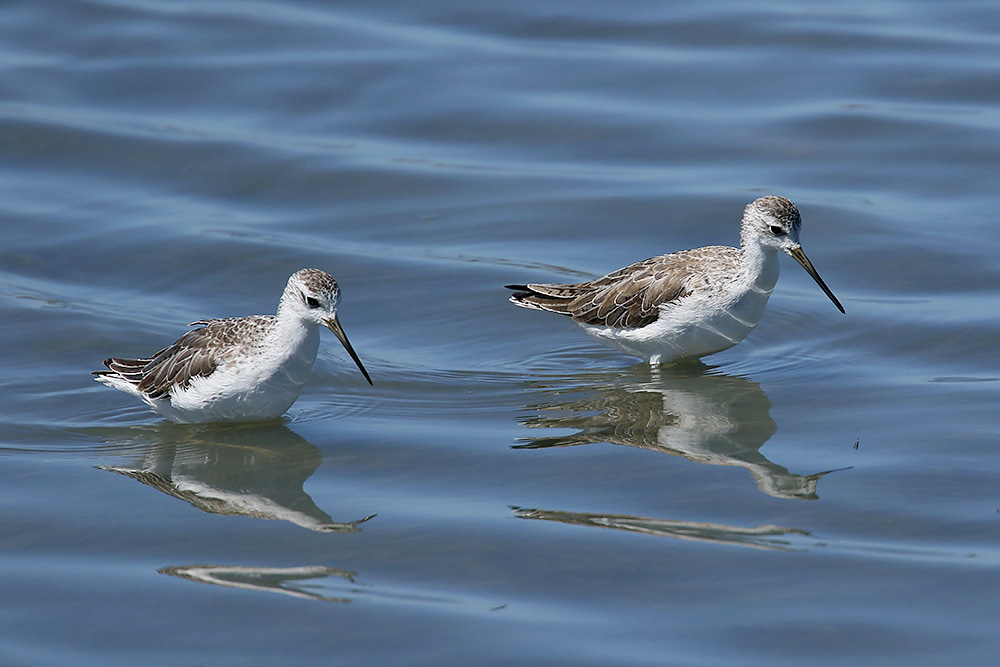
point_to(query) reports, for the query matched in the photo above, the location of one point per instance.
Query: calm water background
(538, 498)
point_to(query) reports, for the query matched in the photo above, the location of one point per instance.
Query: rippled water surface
(508, 491)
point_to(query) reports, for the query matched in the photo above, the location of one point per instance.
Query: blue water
(508, 492)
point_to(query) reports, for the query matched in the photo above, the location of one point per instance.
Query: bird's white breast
(259, 386)
(703, 323)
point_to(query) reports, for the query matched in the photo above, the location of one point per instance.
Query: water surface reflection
(293, 581)
(713, 419)
(768, 536)
(254, 470)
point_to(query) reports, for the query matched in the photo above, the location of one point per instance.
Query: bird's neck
(295, 335)
(759, 264)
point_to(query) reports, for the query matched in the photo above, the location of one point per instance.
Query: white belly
(254, 389)
(696, 326)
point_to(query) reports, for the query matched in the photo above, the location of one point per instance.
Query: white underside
(258, 387)
(698, 325)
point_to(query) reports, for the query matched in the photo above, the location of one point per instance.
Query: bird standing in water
(238, 369)
(687, 304)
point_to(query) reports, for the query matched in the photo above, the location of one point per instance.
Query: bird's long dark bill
(801, 258)
(338, 331)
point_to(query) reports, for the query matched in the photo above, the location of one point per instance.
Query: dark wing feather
(627, 298)
(191, 356)
(196, 353)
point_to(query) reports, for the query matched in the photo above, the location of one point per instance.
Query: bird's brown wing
(627, 298)
(195, 354)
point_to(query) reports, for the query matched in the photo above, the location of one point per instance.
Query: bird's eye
(312, 302)
(777, 231)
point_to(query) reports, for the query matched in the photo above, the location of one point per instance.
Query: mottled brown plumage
(196, 353)
(631, 296)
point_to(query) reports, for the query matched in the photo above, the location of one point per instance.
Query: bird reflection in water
(778, 538)
(713, 419)
(254, 470)
(293, 581)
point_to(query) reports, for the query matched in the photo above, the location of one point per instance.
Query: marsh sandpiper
(688, 304)
(238, 369)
